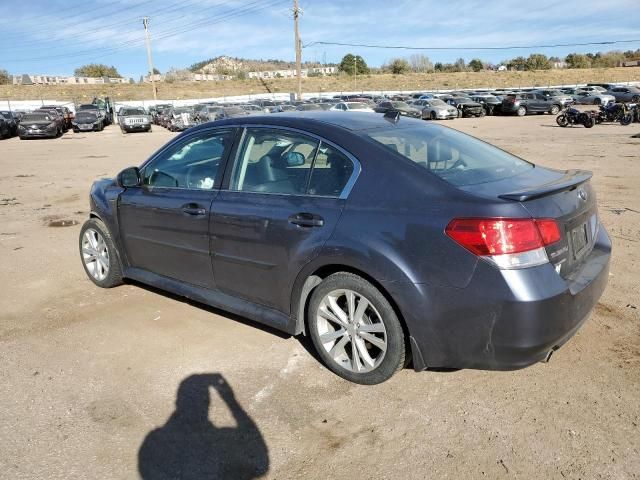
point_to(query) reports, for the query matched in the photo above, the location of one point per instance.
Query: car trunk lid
(567, 197)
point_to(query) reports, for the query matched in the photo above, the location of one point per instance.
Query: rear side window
(453, 156)
(331, 172)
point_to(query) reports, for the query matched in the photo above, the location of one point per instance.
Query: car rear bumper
(503, 319)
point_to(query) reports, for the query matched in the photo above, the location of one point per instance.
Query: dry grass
(341, 83)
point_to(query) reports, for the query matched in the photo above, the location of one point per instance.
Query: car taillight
(506, 242)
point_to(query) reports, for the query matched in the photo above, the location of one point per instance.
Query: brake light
(506, 242)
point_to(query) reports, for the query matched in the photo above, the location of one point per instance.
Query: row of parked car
(52, 121)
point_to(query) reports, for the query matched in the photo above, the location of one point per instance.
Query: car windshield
(358, 106)
(457, 158)
(86, 115)
(400, 104)
(437, 102)
(36, 117)
(133, 111)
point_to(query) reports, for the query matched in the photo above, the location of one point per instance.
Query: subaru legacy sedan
(388, 240)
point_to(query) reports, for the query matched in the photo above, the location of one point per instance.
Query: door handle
(306, 220)
(193, 209)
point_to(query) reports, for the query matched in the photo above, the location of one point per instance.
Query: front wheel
(554, 110)
(626, 119)
(98, 254)
(589, 122)
(433, 115)
(355, 330)
(562, 120)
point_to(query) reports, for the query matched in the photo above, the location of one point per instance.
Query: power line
(511, 47)
(187, 27)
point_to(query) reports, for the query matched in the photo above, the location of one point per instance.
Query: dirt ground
(87, 374)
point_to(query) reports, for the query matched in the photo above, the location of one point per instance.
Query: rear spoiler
(569, 181)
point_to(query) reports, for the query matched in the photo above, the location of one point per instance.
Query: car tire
(589, 122)
(554, 110)
(626, 119)
(482, 113)
(635, 99)
(521, 111)
(370, 350)
(432, 115)
(99, 255)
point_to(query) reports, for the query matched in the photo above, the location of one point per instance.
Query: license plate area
(579, 240)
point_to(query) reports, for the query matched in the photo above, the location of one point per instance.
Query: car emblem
(582, 195)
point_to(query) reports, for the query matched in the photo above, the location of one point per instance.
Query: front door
(164, 223)
(284, 197)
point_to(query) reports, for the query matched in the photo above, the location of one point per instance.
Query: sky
(54, 37)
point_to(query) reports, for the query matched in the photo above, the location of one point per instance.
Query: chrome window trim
(357, 168)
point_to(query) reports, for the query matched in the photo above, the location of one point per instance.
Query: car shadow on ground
(190, 446)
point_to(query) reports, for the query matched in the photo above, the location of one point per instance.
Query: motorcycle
(614, 112)
(573, 116)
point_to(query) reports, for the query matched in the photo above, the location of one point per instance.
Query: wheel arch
(308, 280)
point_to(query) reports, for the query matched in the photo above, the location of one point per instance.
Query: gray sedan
(436, 109)
(592, 98)
(625, 94)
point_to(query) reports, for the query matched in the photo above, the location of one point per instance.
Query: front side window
(274, 161)
(192, 163)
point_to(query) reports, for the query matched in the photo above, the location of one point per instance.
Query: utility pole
(145, 23)
(355, 73)
(296, 15)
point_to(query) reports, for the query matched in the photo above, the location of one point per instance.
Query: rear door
(164, 223)
(283, 198)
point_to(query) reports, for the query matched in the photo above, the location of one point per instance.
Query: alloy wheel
(351, 331)
(95, 254)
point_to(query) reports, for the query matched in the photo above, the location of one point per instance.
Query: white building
(292, 72)
(62, 80)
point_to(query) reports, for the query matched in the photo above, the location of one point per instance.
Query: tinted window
(273, 161)
(331, 172)
(453, 156)
(192, 163)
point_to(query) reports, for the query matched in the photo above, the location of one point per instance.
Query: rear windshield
(453, 156)
(358, 106)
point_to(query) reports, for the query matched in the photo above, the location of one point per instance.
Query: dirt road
(87, 374)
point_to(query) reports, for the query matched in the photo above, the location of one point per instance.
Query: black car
(396, 106)
(466, 107)
(491, 104)
(12, 121)
(5, 128)
(385, 239)
(39, 125)
(87, 121)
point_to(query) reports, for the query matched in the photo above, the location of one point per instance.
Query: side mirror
(295, 159)
(129, 177)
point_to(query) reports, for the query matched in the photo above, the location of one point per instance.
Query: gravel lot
(88, 374)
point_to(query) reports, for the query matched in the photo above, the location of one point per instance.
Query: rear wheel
(589, 122)
(562, 120)
(355, 329)
(626, 119)
(521, 111)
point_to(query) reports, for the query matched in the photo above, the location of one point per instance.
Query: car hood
(39, 123)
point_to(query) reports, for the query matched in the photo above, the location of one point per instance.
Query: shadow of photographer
(189, 446)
